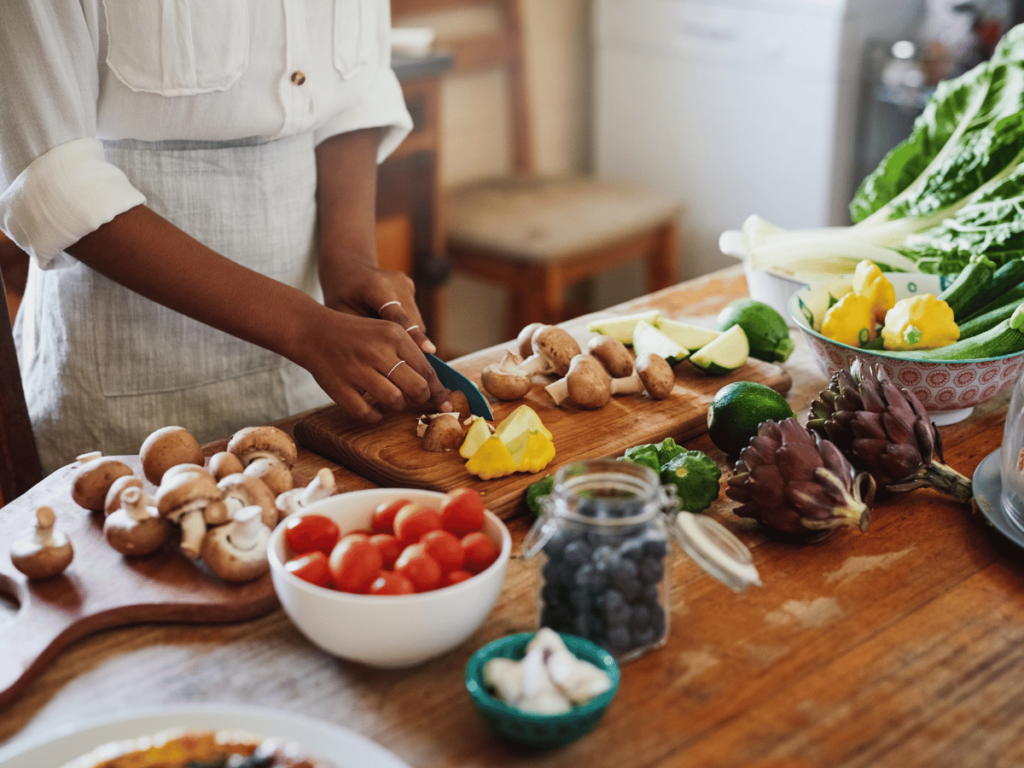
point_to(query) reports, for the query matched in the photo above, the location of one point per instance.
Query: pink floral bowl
(948, 390)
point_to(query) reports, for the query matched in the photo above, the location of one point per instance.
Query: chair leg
(662, 263)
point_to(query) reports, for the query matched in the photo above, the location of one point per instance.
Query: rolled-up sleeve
(55, 185)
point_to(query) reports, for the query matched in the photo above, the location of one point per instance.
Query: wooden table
(902, 646)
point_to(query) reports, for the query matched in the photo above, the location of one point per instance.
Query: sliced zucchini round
(726, 353)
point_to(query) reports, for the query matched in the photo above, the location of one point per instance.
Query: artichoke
(798, 483)
(885, 430)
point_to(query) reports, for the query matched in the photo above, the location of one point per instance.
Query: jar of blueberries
(603, 543)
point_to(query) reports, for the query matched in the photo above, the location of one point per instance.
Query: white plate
(340, 746)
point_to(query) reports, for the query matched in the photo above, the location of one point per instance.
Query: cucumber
(685, 335)
(1003, 339)
(973, 281)
(647, 338)
(726, 353)
(1006, 277)
(1014, 294)
(992, 318)
(621, 327)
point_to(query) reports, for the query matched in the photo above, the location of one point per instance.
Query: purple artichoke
(793, 481)
(885, 430)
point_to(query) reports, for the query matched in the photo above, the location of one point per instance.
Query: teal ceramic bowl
(526, 729)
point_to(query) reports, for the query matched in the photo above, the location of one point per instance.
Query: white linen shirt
(76, 72)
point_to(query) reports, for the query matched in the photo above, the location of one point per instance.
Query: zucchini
(1002, 339)
(647, 338)
(1006, 277)
(973, 281)
(621, 327)
(981, 323)
(724, 354)
(1013, 295)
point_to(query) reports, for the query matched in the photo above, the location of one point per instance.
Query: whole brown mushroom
(320, 487)
(242, 490)
(506, 380)
(612, 354)
(237, 552)
(586, 383)
(253, 443)
(136, 528)
(183, 498)
(524, 341)
(274, 473)
(224, 463)
(166, 447)
(92, 481)
(553, 351)
(42, 551)
(656, 375)
(112, 501)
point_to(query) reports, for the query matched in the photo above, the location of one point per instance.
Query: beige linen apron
(103, 367)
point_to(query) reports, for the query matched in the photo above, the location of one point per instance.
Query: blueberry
(553, 547)
(618, 638)
(650, 595)
(655, 547)
(577, 553)
(633, 549)
(552, 593)
(622, 570)
(558, 617)
(590, 578)
(640, 617)
(632, 589)
(658, 622)
(651, 570)
(580, 599)
(616, 610)
(603, 555)
(558, 573)
(583, 625)
(645, 637)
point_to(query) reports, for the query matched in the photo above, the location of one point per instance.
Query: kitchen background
(775, 107)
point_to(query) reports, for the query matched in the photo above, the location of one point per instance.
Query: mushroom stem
(133, 502)
(629, 385)
(320, 487)
(537, 364)
(45, 520)
(559, 390)
(246, 528)
(193, 528)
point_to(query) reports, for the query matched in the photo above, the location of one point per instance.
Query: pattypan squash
(870, 282)
(491, 460)
(695, 476)
(537, 452)
(850, 320)
(920, 322)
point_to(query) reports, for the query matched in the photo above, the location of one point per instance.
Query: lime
(737, 409)
(767, 332)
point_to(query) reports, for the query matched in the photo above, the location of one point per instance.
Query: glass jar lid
(716, 550)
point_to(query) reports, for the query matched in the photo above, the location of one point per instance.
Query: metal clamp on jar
(605, 575)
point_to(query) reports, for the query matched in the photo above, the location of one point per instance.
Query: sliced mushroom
(506, 380)
(136, 528)
(612, 354)
(320, 487)
(183, 498)
(553, 351)
(524, 341)
(274, 473)
(242, 490)
(586, 384)
(224, 463)
(42, 551)
(93, 479)
(112, 501)
(441, 432)
(656, 375)
(253, 443)
(167, 447)
(237, 552)
(459, 401)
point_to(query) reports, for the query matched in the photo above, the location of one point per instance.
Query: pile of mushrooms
(224, 510)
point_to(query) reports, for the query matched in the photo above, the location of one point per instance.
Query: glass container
(1011, 457)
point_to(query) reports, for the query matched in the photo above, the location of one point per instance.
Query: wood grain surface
(901, 646)
(389, 452)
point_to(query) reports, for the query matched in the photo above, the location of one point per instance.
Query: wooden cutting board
(389, 453)
(101, 588)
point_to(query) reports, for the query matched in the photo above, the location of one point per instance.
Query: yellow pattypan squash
(476, 435)
(920, 322)
(871, 283)
(537, 452)
(491, 460)
(850, 321)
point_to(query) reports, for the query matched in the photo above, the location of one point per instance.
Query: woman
(187, 178)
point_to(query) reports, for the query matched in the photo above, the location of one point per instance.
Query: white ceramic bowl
(949, 391)
(775, 288)
(389, 631)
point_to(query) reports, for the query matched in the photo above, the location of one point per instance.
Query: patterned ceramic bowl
(948, 390)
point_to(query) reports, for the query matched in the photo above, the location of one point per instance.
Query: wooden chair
(19, 460)
(538, 235)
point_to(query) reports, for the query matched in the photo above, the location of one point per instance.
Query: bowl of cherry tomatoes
(390, 577)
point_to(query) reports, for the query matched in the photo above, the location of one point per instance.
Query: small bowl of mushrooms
(542, 690)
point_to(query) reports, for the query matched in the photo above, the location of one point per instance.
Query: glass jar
(1011, 457)
(603, 542)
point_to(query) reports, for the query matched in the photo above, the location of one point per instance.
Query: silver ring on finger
(388, 377)
(411, 327)
(388, 304)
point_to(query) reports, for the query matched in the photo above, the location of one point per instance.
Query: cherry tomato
(358, 535)
(354, 564)
(311, 567)
(388, 546)
(414, 520)
(462, 512)
(445, 548)
(455, 577)
(384, 516)
(481, 550)
(419, 568)
(391, 583)
(310, 533)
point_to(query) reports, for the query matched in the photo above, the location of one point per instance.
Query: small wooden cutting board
(101, 588)
(389, 453)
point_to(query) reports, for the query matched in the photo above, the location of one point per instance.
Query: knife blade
(452, 379)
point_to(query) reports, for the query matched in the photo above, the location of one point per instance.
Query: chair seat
(544, 219)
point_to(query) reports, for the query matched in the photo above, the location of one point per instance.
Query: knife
(452, 379)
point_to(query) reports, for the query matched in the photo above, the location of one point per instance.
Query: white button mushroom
(578, 679)
(182, 498)
(92, 481)
(320, 487)
(42, 551)
(167, 447)
(267, 442)
(507, 380)
(540, 694)
(237, 552)
(136, 528)
(241, 490)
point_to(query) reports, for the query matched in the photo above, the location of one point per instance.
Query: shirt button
(298, 78)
